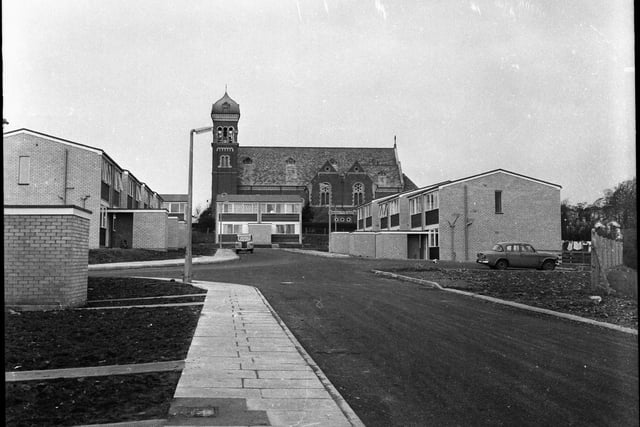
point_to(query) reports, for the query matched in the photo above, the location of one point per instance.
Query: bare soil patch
(83, 338)
(563, 291)
(111, 255)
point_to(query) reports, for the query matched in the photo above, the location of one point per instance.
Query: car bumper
(482, 261)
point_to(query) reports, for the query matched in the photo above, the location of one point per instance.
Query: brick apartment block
(453, 220)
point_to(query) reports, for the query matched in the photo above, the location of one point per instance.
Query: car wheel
(548, 265)
(502, 264)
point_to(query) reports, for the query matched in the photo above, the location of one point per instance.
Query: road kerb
(337, 397)
(568, 316)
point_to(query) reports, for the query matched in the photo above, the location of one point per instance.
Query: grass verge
(84, 338)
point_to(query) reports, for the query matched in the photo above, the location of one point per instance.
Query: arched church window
(224, 133)
(358, 193)
(325, 193)
(231, 134)
(219, 133)
(290, 161)
(225, 161)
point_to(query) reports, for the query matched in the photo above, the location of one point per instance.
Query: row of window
(357, 193)
(243, 228)
(272, 208)
(431, 202)
(226, 133)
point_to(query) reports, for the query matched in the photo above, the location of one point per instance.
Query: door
(512, 252)
(528, 256)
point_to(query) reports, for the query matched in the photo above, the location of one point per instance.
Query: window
(414, 206)
(325, 193)
(367, 211)
(285, 229)
(393, 207)
(103, 217)
(24, 170)
(431, 202)
(117, 184)
(433, 238)
(107, 172)
(247, 208)
(231, 228)
(383, 210)
(498, 196)
(225, 162)
(513, 248)
(177, 207)
(358, 193)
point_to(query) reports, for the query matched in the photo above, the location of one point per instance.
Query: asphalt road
(405, 355)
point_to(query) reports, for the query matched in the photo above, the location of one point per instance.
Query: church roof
(225, 105)
(299, 165)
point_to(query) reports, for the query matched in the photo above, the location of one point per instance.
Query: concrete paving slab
(243, 360)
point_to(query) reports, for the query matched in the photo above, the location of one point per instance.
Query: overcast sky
(543, 88)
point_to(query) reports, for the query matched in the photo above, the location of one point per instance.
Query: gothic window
(219, 133)
(290, 161)
(225, 162)
(231, 135)
(325, 193)
(358, 193)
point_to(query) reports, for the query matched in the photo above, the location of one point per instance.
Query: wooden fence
(605, 254)
(576, 257)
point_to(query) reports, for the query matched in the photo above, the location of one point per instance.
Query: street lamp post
(188, 253)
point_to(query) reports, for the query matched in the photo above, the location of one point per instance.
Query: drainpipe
(466, 225)
(66, 177)
(453, 228)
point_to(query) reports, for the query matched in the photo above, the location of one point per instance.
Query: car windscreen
(497, 248)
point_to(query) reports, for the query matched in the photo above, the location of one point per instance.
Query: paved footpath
(245, 367)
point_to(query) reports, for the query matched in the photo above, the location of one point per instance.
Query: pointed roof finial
(225, 88)
(394, 141)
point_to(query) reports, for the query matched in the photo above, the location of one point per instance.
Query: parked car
(244, 243)
(517, 254)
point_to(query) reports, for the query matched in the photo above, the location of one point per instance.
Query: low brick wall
(46, 252)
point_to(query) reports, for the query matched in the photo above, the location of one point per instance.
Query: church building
(325, 178)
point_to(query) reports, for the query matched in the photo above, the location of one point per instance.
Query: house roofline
(500, 170)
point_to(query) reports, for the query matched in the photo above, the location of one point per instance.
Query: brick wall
(530, 213)
(45, 257)
(47, 176)
(173, 241)
(150, 230)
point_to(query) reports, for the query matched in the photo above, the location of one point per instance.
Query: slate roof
(175, 197)
(268, 165)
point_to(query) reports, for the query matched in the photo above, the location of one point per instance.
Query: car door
(528, 256)
(512, 252)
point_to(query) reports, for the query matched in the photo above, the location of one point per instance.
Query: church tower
(225, 114)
